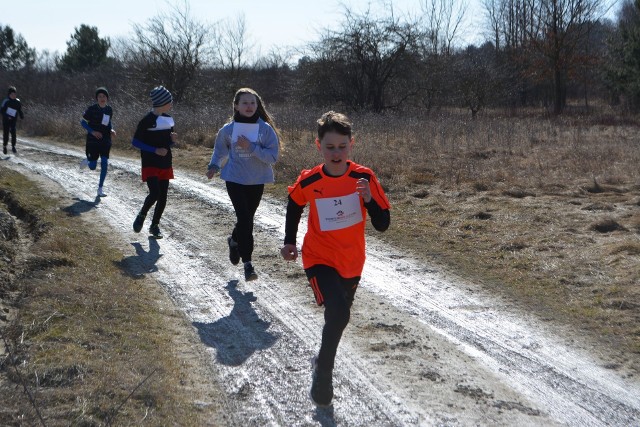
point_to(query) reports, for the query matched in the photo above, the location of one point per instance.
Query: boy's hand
(363, 189)
(113, 133)
(96, 134)
(211, 173)
(289, 252)
(161, 152)
(174, 137)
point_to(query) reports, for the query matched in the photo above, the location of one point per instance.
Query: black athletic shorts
(97, 149)
(328, 284)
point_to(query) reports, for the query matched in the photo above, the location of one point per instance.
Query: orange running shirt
(337, 217)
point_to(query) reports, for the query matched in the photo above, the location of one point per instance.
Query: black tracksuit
(10, 110)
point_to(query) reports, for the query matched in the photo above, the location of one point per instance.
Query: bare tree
(442, 20)
(543, 38)
(171, 49)
(358, 64)
(495, 16)
(233, 45)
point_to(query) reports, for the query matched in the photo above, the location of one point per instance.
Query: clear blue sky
(48, 24)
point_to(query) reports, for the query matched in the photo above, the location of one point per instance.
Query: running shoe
(155, 231)
(84, 163)
(249, 273)
(13, 148)
(321, 386)
(4, 149)
(234, 255)
(137, 224)
(101, 193)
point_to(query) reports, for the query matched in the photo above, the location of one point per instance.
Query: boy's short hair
(334, 122)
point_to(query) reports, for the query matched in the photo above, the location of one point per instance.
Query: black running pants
(245, 200)
(336, 294)
(158, 191)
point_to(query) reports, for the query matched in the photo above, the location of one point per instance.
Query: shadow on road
(240, 334)
(81, 206)
(143, 262)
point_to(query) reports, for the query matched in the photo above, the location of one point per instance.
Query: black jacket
(11, 104)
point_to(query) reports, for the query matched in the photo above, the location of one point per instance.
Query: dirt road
(423, 347)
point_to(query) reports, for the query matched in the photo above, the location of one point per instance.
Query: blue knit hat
(160, 96)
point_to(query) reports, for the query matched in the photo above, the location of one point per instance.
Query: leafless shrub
(420, 194)
(513, 246)
(482, 215)
(518, 193)
(607, 225)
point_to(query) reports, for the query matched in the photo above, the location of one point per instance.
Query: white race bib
(336, 213)
(163, 123)
(105, 119)
(248, 130)
(11, 112)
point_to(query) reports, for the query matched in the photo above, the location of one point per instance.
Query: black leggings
(245, 200)
(337, 294)
(9, 127)
(158, 190)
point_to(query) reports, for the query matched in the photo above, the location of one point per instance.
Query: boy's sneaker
(84, 163)
(137, 224)
(234, 255)
(13, 148)
(249, 273)
(4, 149)
(155, 231)
(321, 386)
(101, 193)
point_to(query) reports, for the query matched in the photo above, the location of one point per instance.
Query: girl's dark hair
(262, 111)
(334, 122)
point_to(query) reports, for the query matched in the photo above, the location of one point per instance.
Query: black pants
(336, 294)
(158, 190)
(9, 127)
(245, 200)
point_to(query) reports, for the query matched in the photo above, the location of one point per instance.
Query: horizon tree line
(538, 53)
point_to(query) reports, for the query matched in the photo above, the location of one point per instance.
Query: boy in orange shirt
(340, 193)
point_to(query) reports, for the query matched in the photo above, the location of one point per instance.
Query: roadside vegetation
(86, 342)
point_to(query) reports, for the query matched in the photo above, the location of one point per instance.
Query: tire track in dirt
(280, 329)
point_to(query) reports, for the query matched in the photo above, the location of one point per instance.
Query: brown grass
(91, 344)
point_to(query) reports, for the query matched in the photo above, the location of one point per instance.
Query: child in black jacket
(96, 120)
(11, 108)
(154, 138)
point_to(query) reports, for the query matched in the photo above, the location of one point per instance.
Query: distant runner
(10, 109)
(97, 121)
